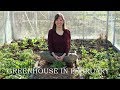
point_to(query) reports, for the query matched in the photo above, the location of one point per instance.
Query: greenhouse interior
(94, 39)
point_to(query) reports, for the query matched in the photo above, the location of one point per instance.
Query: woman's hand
(57, 57)
(61, 57)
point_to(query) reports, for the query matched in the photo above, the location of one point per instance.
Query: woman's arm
(64, 54)
(55, 56)
(62, 57)
(68, 41)
(50, 40)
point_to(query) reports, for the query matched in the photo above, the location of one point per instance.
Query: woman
(59, 40)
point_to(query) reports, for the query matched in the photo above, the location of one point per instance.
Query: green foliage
(43, 44)
(58, 64)
(84, 52)
(14, 46)
(19, 55)
(93, 42)
(35, 43)
(12, 57)
(101, 55)
(10, 64)
(93, 51)
(73, 46)
(17, 76)
(1, 55)
(100, 66)
(92, 69)
(26, 54)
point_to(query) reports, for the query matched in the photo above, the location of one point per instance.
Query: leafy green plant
(23, 43)
(43, 44)
(101, 55)
(1, 55)
(26, 54)
(17, 76)
(101, 65)
(93, 51)
(84, 52)
(58, 64)
(18, 60)
(91, 68)
(73, 46)
(93, 42)
(14, 46)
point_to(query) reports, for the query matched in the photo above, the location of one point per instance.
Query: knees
(45, 55)
(73, 55)
(70, 58)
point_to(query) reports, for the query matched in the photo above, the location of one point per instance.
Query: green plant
(26, 54)
(1, 55)
(23, 43)
(14, 46)
(101, 55)
(73, 46)
(58, 64)
(84, 52)
(43, 44)
(92, 42)
(17, 76)
(24, 59)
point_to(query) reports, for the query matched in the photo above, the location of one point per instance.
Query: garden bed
(93, 55)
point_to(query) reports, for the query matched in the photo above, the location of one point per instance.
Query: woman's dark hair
(56, 17)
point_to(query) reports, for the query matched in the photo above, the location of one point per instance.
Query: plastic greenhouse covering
(15, 25)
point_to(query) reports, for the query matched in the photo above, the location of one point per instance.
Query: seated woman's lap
(70, 58)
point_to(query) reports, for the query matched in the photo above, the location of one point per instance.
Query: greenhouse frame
(83, 25)
(19, 24)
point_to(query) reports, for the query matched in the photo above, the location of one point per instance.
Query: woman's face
(59, 22)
